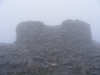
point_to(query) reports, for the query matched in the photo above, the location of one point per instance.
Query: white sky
(51, 12)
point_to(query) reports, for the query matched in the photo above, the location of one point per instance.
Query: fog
(51, 12)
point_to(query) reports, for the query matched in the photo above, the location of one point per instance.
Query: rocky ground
(14, 61)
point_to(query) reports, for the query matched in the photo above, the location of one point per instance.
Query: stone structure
(71, 33)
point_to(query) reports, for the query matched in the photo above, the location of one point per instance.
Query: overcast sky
(51, 12)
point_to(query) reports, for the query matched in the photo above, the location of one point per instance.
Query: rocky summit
(39, 49)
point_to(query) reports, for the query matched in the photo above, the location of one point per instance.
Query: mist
(51, 12)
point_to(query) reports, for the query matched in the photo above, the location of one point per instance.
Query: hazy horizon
(51, 12)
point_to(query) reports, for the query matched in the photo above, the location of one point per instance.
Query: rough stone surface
(66, 49)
